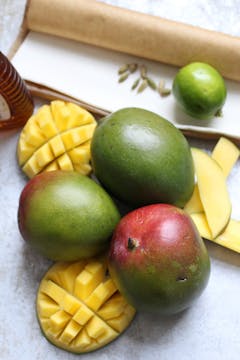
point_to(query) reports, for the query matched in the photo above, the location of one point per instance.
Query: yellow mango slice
(57, 137)
(225, 153)
(213, 191)
(230, 237)
(79, 307)
(194, 205)
(201, 223)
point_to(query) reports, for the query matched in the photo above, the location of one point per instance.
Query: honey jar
(16, 104)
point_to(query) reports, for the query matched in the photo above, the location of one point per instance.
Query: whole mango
(66, 216)
(158, 260)
(141, 158)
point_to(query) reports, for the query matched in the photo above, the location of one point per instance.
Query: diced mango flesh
(101, 294)
(81, 320)
(59, 319)
(86, 282)
(58, 136)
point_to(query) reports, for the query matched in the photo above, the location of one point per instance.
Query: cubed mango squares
(81, 313)
(56, 137)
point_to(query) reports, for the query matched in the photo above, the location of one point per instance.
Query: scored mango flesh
(57, 137)
(79, 307)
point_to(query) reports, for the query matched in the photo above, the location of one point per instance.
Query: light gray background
(209, 330)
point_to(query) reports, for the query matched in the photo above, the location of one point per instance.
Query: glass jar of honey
(16, 104)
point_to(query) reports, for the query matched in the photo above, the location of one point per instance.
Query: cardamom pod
(123, 69)
(162, 90)
(132, 67)
(151, 83)
(123, 77)
(143, 86)
(143, 71)
(135, 84)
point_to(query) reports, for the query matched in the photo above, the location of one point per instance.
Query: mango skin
(168, 268)
(66, 216)
(141, 158)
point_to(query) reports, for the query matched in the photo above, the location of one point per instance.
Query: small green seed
(123, 69)
(143, 86)
(165, 92)
(135, 84)
(162, 90)
(123, 77)
(132, 68)
(151, 83)
(143, 71)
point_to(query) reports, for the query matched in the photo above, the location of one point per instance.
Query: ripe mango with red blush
(158, 260)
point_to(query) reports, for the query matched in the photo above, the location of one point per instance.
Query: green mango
(66, 216)
(141, 158)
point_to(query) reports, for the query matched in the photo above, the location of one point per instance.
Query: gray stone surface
(208, 330)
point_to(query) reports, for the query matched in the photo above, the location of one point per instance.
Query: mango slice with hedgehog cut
(56, 137)
(79, 307)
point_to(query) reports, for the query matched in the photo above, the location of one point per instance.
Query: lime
(200, 90)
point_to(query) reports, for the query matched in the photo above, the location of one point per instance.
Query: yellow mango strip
(194, 205)
(226, 154)
(201, 223)
(213, 191)
(230, 237)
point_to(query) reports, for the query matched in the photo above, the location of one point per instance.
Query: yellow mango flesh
(194, 205)
(57, 137)
(213, 191)
(225, 153)
(79, 307)
(229, 238)
(200, 221)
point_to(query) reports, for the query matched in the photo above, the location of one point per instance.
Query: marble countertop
(208, 330)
